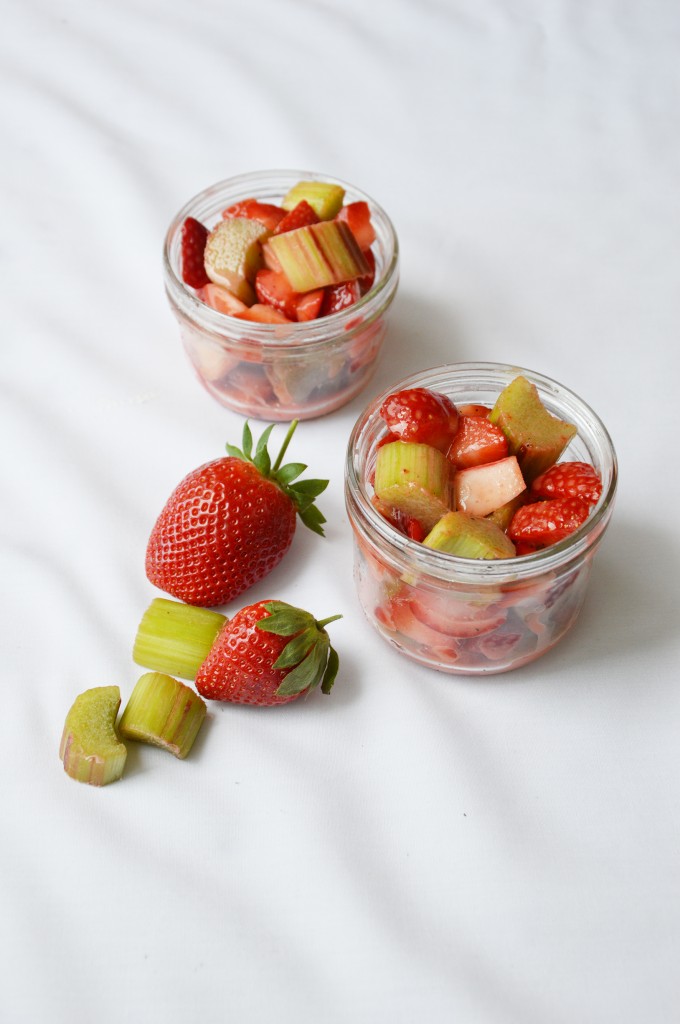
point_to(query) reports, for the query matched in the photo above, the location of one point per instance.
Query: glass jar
(460, 615)
(281, 371)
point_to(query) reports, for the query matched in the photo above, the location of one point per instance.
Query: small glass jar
(281, 371)
(467, 616)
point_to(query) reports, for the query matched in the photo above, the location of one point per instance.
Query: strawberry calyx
(308, 654)
(302, 493)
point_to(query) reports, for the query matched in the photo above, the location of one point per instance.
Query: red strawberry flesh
(192, 246)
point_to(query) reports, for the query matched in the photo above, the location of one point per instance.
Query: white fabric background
(416, 847)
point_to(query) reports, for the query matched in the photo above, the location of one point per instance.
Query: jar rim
(290, 337)
(452, 568)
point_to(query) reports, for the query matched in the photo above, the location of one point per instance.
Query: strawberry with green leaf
(229, 523)
(269, 653)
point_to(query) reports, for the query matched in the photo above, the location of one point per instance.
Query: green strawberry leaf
(331, 672)
(308, 654)
(301, 493)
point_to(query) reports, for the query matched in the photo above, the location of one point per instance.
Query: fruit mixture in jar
(480, 483)
(289, 264)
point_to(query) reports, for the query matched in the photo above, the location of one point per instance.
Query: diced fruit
(367, 281)
(318, 255)
(414, 479)
(340, 296)
(474, 409)
(275, 290)
(210, 358)
(269, 653)
(502, 516)
(299, 217)
(175, 638)
(230, 522)
(417, 414)
(233, 255)
(324, 197)
(477, 441)
(221, 299)
(252, 209)
(357, 216)
(308, 306)
(534, 435)
(163, 712)
(467, 536)
(192, 246)
(90, 748)
(546, 522)
(480, 490)
(569, 480)
(446, 614)
(261, 314)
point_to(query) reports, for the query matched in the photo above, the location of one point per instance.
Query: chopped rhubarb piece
(357, 217)
(469, 537)
(308, 306)
(340, 296)
(534, 435)
(299, 217)
(366, 282)
(324, 197)
(221, 299)
(253, 209)
(319, 255)
(482, 489)
(233, 255)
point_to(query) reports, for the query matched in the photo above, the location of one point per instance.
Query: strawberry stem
(324, 622)
(284, 446)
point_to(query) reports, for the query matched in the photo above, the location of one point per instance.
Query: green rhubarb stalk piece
(534, 435)
(176, 638)
(233, 255)
(414, 479)
(164, 712)
(502, 516)
(466, 536)
(90, 748)
(318, 255)
(324, 197)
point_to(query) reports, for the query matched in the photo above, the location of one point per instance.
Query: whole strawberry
(268, 653)
(230, 522)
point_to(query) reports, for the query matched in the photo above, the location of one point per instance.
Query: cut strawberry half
(221, 299)
(569, 480)
(299, 217)
(340, 296)
(192, 246)
(273, 289)
(252, 209)
(422, 416)
(308, 305)
(476, 442)
(262, 314)
(547, 522)
(357, 217)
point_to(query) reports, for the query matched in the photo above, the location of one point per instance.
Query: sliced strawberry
(569, 480)
(456, 618)
(262, 314)
(253, 209)
(474, 409)
(421, 415)
(192, 246)
(269, 258)
(248, 384)
(357, 217)
(299, 217)
(545, 522)
(308, 305)
(476, 442)
(221, 299)
(273, 289)
(340, 296)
